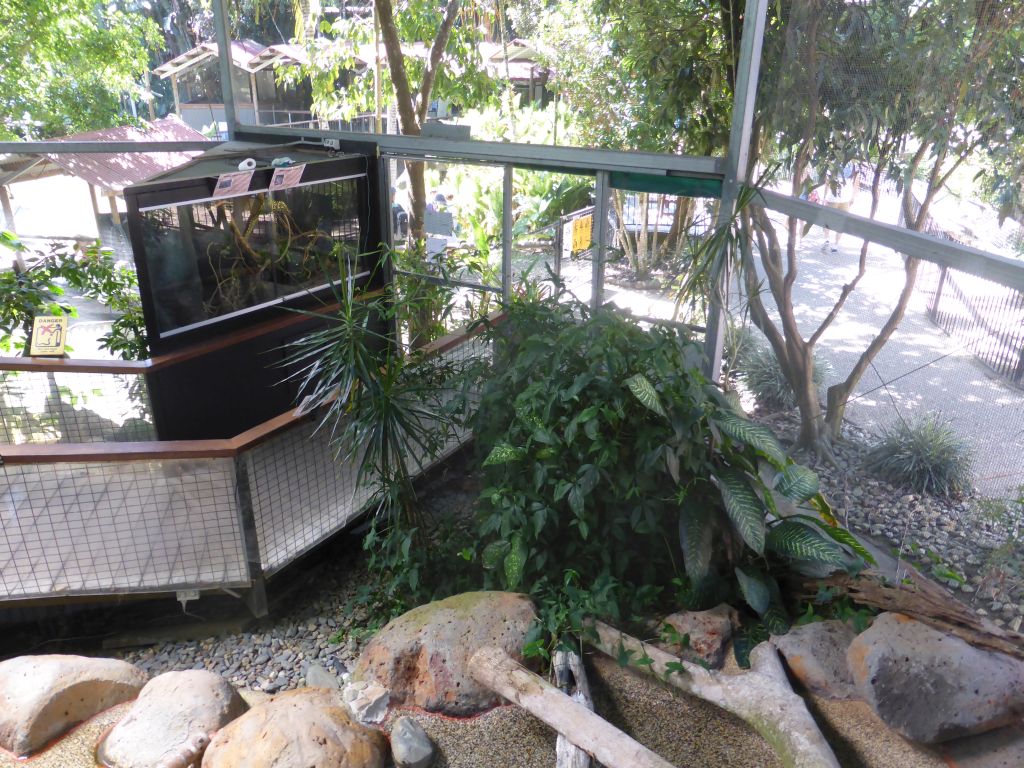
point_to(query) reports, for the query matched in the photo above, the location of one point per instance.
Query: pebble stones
(951, 540)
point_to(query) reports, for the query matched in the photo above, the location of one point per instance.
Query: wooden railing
(50, 453)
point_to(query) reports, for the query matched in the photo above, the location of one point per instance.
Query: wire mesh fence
(161, 525)
(935, 362)
(37, 407)
(71, 529)
(300, 494)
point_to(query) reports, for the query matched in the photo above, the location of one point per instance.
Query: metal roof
(109, 172)
(247, 55)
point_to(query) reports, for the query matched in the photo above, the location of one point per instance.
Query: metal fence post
(256, 596)
(744, 98)
(506, 234)
(600, 239)
(222, 28)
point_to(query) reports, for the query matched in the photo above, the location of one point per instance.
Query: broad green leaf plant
(618, 479)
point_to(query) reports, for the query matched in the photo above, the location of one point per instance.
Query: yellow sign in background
(582, 231)
(48, 336)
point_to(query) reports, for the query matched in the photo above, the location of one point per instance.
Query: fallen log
(922, 599)
(501, 673)
(568, 666)
(762, 697)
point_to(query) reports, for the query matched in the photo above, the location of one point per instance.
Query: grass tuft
(925, 455)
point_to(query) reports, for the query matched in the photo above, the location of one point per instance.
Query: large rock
(42, 697)
(410, 745)
(816, 655)
(172, 721)
(931, 686)
(307, 728)
(707, 634)
(422, 656)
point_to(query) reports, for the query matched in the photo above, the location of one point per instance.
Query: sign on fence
(582, 232)
(48, 336)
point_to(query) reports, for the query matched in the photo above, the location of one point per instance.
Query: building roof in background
(247, 55)
(109, 173)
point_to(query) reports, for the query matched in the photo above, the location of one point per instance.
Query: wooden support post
(95, 203)
(115, 215)
(762, 697)
(568, 665)
(501, 673)
(5, 202)
(174, 90)
(255, 98)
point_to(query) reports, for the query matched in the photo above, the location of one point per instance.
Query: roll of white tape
(247, 165)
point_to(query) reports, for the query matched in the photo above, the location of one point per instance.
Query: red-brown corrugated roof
(113, 172)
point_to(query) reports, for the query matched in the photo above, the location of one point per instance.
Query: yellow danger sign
(582, 232)
(48, 336)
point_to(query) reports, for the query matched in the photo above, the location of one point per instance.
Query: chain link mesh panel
(300, 495)
(126, 527)
(63, 407)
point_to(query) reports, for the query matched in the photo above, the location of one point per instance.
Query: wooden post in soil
(568, 665)
(501, 673)
(762, 697)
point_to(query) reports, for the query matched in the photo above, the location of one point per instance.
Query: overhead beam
(100, 147)
(1000, 269)
(540, 156)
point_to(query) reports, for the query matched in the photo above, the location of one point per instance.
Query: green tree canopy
(66, 65)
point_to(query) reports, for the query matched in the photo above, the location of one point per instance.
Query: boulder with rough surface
(421, 657)
(816, 655)
(307, 728)
(42, 697)
(172, 721)
(931, 686)
(708, 634)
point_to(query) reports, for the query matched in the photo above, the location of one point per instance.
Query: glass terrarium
(205, 257)
(226, 256)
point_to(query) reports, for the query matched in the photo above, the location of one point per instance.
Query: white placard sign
(288, 176)
(567, 240)
(232, 184)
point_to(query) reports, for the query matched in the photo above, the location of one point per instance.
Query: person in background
(841, 198)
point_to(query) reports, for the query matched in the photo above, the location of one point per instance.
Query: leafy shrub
(737, 345)
(925, 455)
(389, 411)
(759, 369)
(616, 474)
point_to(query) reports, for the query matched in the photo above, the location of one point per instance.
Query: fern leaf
(515, 561)
(838, 533)
(695, 539)
(755, 590)
(493, 554)
(503, 454)
(645, 392)
(820, 505)
(743, 506)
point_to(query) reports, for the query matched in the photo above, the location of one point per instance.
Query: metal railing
(100, 518)
(987, 317)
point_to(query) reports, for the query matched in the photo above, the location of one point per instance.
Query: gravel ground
(932, 533)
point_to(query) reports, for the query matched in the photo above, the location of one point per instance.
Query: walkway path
(921, 369)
